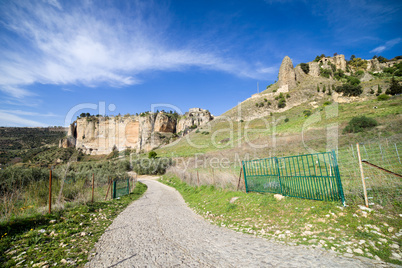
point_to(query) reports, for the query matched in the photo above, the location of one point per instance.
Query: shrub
(353, 80)
(349, 90)
(281, 103)
(274, 90)
(379, 90)
(152, 155)
(359, 124)
(151, 166)
(324, 89)
(288, 96)
(318, 88)
(383, 97)
(307, 113)
(305, 67)
(395, 88)
(327, 103)
(286, 120)
(325, 72)
(193, 127)
(359, 72)
(371, 91)
(339, 74)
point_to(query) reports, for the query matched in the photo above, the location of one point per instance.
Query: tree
(305, 67)
(352, 57)
(359, 124)
(152, 155)
(381, 59)
(83, 115)
(318, 88)
(395, 88)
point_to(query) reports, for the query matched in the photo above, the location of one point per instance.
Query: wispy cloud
(387, 45)
(20, 112)
(88, 45)
(8, 119)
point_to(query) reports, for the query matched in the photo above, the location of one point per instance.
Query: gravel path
(159, 230)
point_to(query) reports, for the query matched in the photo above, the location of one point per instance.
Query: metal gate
(121, 187)
(311, 176)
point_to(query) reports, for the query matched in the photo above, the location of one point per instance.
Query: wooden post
(50, 191)
(362, 175)
(198, 179)
(108, 187)
(244, 182)
(93, 186)
(238, 183)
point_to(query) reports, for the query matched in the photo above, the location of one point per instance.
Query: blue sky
(61, 58)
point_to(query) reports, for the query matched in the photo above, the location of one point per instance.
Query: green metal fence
(121, 187)
(311, 176)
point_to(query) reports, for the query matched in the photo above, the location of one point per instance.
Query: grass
(237, 133)
(64, 238)
(328, 225)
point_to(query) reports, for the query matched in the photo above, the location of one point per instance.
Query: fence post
(396, 149)
(128, 185)
(245, 178)
(114, 188)
(50, 191)
(362, 175)
(238, 184)
(93, 186)
(198, 179)
(108, 187)
(279, 173)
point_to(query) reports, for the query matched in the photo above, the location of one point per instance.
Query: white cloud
(387, 45)
(89, 45)
(20, 112)
(11, 120)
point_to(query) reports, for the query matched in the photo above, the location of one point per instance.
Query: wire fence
(383, 188)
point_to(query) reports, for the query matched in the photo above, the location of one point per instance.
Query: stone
(287, 74)
(233, 199)
(314, 69)
(300, 74)
(358, 251)
(396, 255)
(279, 197)
(101, 135)
(194, 117)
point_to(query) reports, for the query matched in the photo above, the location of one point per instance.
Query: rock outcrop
(101, 135)
(373, 65)
(287, 74)
(192, 119)
(300, 74)
(314, 69)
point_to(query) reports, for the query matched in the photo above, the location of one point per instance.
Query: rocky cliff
(101, 135)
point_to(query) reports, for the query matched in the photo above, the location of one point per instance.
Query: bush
(353, 80)
(305, 67)
(307, 113)
(327, 103)
(152, 155)
(147, 166)
(325, 72)
(395, 88)
(359, 124)
(349, 90)
(286, 120)
(383, 97)
(281, 103)
(339, 74)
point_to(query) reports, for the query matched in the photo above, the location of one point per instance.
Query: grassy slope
(62, 239)
(388, 114)
(298, 221)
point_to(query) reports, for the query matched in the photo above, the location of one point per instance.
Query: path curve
(160, 230)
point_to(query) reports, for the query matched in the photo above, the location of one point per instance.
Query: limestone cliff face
(101, 135)
(195, 117)
(287, 74)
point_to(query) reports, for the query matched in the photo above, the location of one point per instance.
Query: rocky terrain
(101, 135)
(312, 82)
